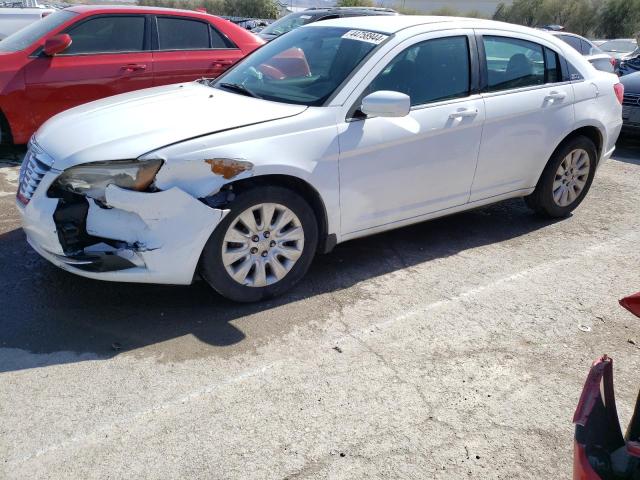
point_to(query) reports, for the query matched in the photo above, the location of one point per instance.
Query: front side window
(182, 34)
(513, 63)
(108, 34)
(30, 34)
(305, 66)
(430, 71)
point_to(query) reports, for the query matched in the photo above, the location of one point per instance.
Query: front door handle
(556, 96)
(134, 67)
(464, 113)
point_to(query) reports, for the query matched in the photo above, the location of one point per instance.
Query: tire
(555, 203)
(271, 255)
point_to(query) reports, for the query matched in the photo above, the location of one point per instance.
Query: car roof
(130, 9)
(319, 11)
(393, 24)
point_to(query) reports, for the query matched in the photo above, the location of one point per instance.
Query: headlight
(92, 179)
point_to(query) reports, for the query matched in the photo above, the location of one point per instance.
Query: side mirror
(385, 103)
(57, 44)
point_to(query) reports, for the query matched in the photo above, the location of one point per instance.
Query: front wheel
(263, 247)
(566, 179)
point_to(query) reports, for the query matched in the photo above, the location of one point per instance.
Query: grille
(631, 100)
(34, 166)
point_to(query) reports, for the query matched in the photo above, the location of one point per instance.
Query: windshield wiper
(237, 87)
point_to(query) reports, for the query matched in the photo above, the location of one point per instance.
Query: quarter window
(108, 34)
(552, 66)
(218, 40)
(429, 71)
(513, 63)
(182, 34)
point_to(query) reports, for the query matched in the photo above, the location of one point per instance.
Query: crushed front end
(102, 221)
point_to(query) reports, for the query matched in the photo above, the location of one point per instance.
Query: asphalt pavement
(455, 348)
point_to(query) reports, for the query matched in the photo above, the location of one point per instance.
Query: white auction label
(364, 36)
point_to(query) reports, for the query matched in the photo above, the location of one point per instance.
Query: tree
(251, 8)
(619, 18)
(355, 3)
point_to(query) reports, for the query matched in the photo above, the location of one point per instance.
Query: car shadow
(628, 148)
(53, 317)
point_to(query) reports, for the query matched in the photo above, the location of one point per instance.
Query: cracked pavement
(448, 349)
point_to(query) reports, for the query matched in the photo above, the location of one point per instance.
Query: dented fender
(167, 229)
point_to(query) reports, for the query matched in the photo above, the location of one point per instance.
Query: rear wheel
(566, 179)
(263, 247)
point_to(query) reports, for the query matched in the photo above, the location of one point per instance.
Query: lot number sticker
(364, 36)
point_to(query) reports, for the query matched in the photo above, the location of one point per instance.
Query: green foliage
(238, 8)
(608, 18)
(355, 3)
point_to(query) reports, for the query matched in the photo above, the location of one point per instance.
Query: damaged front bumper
(132, 237)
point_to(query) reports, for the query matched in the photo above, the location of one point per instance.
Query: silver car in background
(596, 56)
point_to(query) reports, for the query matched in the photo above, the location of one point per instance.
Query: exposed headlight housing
(91, 179)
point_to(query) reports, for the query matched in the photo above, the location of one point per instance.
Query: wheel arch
(326, 241)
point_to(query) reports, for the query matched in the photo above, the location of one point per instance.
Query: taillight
(619, 89)
(612, 61)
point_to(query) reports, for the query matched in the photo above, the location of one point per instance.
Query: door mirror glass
(386, 103)
(57, 44)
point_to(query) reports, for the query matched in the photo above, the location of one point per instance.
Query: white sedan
(335, 131)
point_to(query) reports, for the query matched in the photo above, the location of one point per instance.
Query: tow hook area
(133, 229)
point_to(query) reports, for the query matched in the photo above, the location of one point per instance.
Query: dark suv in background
(298, 19)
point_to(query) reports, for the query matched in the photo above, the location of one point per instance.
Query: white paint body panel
(14, 19)
(371, 175)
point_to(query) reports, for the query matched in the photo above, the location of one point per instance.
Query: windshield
(624, 46)
(288, 23)
(30, 34)
(303, 67)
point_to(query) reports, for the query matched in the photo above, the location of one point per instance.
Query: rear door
(529, 110)
(109, 54)
(190, 48)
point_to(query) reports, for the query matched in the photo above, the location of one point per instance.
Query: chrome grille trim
(631, 99)
(35, 165)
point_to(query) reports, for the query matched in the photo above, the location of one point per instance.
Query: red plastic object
(632, 303)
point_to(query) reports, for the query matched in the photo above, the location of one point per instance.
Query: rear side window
(573, 41)
(107, 34)
(603, 64)
(182, 34)
(513, 63)
(429, 71)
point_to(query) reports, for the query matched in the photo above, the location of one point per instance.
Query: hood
(132, 124)
(631, 83)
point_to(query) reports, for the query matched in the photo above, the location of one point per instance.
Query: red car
(84, 53)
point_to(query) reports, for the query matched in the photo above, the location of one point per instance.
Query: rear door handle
(222, 62)
(556, 96)
(464, 113)
(134, 67)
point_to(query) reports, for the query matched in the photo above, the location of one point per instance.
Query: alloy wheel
(571, 177)
(262, 244)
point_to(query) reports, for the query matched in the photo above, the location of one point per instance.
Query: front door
(107, 56)
(398, 169)
(189, 49)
